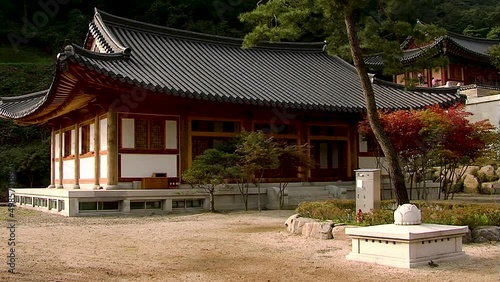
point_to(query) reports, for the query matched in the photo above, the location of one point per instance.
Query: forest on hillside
(33, 31)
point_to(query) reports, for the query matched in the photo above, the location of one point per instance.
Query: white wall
(69, 169)
(57, 155)
(73, 141)
(91, 132)
(128, 136)
(56, 170)
(104, 166)
(143, 165)
(487, 107)
(87, 168)
(104, 134)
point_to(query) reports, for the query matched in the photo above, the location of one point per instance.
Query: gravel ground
(233, 246)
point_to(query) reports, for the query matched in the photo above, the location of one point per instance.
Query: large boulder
(471, 184)
(468, 170)
(318, 230)
(483, 234)
(487, 170)
(289, 222)
(490, 187)
(298, 224)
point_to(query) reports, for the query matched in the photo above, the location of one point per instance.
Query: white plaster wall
(487, 107)
(73, 141)
(80, 141)
(143, 165)
(171, 136)
(69, 169)
(104, 166)
(56, 169)
(87, 168)
(56, 137)
(128, 136)
(104, 134)
(92, 141)
(371, 162)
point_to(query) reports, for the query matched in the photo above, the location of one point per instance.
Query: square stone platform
(406, 246)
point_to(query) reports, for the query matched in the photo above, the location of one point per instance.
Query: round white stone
(407, 214)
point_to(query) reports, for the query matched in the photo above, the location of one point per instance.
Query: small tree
(256, 154)
(210, 170)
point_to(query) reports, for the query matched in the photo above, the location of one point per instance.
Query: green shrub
(336, 210)
(436, 212)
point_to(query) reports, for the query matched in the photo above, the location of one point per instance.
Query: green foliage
(437, 212)
(210, 170)
(494, 52)
(335, 210)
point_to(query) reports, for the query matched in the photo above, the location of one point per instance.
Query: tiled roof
(461, 45)
(201, 66)
(21, 106)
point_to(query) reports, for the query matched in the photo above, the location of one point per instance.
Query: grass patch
(437, 212)
(18, 213)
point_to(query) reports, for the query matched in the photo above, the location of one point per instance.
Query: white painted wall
(87, 168)
(104, 134)
(104, 166)
(128, 136)
(73, 141)
(69, 169)
(57, 155)
(487, 107)
(92, 141)
(143, 165)
(171, 136)
(56, 169)
(80, 142)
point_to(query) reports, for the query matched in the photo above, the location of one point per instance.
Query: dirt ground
(233, 246)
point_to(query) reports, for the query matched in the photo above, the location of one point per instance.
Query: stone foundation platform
(406, 246)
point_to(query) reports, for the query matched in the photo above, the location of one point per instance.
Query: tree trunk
(395, 172)
(212, 200)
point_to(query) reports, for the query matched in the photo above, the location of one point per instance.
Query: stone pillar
(77, 156)
(52, 158)
(112, 150)
(60, 152)
(97, 149)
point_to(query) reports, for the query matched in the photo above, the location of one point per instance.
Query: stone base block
(406, 246)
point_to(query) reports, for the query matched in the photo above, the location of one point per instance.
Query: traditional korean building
(132, 107)
(469, 61)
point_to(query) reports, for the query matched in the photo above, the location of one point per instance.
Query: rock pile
(477, 179)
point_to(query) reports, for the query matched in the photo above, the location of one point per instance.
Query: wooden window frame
(149, 118)
(85, 139)
(66, 143)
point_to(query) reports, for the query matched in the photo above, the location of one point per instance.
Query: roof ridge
(110, 35)
(203, 37)
(436, 90)
(481, 39)
(78, 50)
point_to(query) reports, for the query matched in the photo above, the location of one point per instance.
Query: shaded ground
(235, 246)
